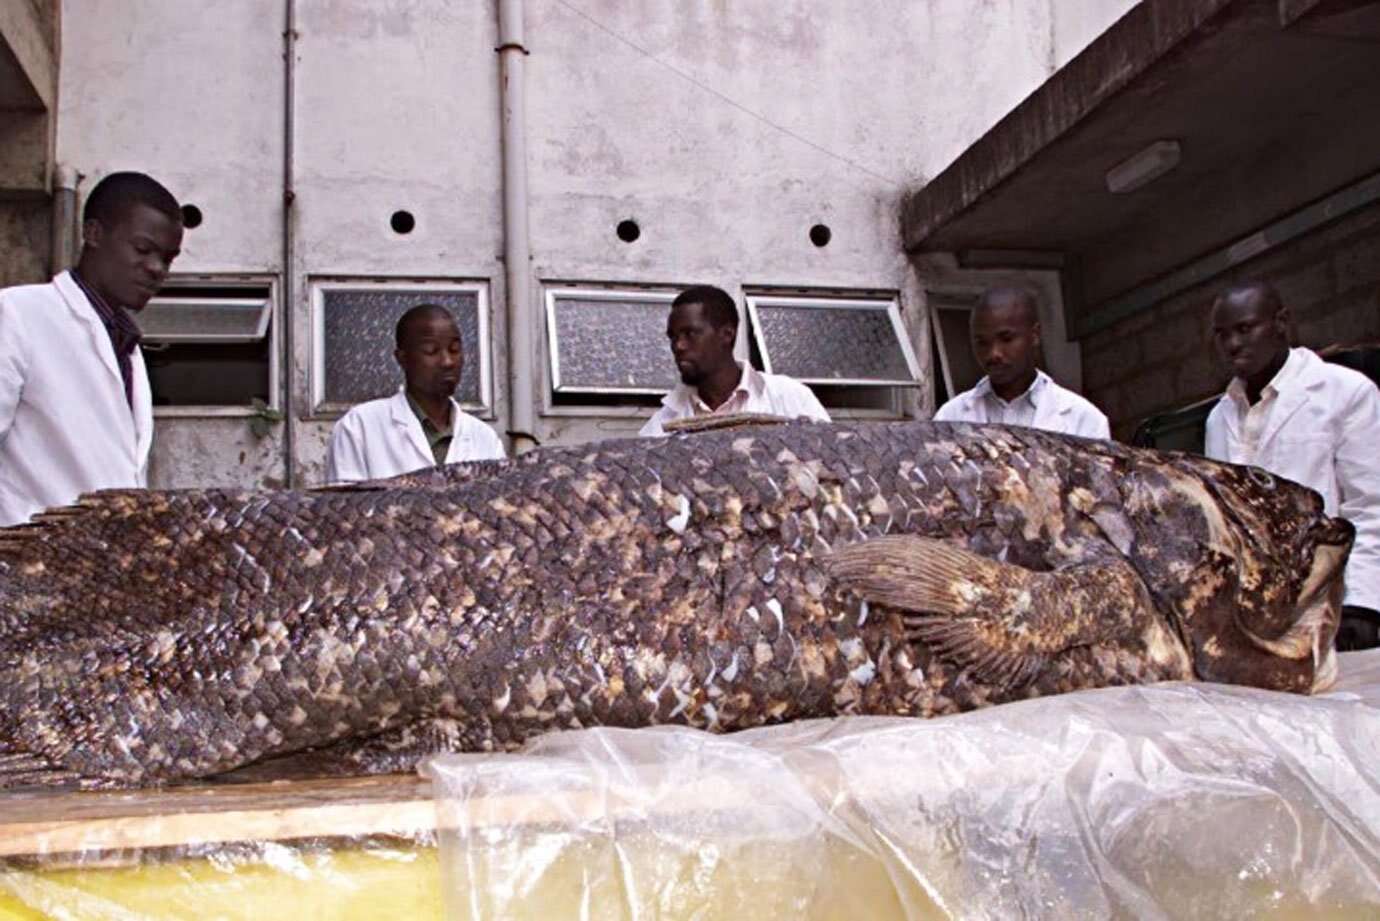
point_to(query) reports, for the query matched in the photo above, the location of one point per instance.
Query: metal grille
(610, 342)
(357, 333)
(833, 341)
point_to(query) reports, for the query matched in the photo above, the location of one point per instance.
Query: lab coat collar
(401, 414)
(1290, 385)
(139, 416)
(81, 308)
(1035, 393)
(686, 399)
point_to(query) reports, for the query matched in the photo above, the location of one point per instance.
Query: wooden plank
(94, 824)
(47, 823)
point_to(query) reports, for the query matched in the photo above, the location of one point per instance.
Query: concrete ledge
(28, 61)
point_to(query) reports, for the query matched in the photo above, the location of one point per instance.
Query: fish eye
(1261, 478)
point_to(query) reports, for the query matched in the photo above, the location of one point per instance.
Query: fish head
(1252, 569)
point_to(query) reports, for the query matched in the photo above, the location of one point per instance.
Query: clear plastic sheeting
(335, 849)
(343, 881)
(1169, 801)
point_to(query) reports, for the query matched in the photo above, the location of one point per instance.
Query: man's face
(699, 347)
(1006, 342)
(128, 260)
(431, 356)
(1247, 333)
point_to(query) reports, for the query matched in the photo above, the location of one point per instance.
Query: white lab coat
(65, 426)
(1324, 432)
(384, 438)
(1057, 409)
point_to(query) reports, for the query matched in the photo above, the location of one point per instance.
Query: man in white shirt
(1293, 414)
(1005, 332)
(702, 329)
(75, 410)
(422, 425)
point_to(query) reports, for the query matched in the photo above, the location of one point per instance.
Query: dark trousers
(1360, 628)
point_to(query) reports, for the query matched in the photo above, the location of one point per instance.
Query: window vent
(209, 345)
(957, 369)
(609, 342)
(354, 324)
(833, 342)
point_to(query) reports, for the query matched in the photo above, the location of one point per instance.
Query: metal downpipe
(288, 315)
(63, 252)
(517, 246)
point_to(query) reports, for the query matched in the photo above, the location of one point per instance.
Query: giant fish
(718, 579)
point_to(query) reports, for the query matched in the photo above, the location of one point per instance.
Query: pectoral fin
(1003, 621)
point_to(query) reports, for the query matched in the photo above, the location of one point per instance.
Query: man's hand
(1360, 629)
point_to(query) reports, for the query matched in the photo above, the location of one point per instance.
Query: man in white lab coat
(422, 425)
(702, 328)
(1299, 417)
(75, 409)
(1005, 333)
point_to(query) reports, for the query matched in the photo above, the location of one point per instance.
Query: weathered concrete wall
(725, 130)
(28, 98)
(24, 242)
(192, 94)
(1161, 359)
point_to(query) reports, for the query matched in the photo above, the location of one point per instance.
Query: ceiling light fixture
(1143, 168)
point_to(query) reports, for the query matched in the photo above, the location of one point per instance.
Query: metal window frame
(275, 349)
(265, 306)
(892, 305)
(589, 292)
(318, 286)
(955, 304)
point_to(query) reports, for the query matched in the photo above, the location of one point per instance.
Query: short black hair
(414, 314)
(718, 305)
(1011, 296)
(113, 197)
(1268, 294)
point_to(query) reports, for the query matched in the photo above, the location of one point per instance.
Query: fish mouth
(1319, 606)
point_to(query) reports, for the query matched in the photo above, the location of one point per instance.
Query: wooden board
(47, 824)
(114, 826)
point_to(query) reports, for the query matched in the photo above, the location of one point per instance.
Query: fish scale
(151, 637)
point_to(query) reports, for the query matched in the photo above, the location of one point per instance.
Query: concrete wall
(1161, 359)
(725, 130)
(28, 97)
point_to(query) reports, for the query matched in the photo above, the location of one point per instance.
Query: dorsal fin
(726, 421)
(17, 536)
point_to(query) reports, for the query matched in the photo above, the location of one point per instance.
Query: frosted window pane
(359, 339)
(612, 346)
(823, 343)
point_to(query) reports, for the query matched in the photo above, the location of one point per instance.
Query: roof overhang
(1274, 104)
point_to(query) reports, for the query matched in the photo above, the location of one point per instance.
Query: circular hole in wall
(628, 231)
(820, 235)
(402, 222)
(191, 216)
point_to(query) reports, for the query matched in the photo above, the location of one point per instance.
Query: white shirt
(66, 427)
(1044, 405)
(756, 392)
(384, 438)
(1319, 426)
